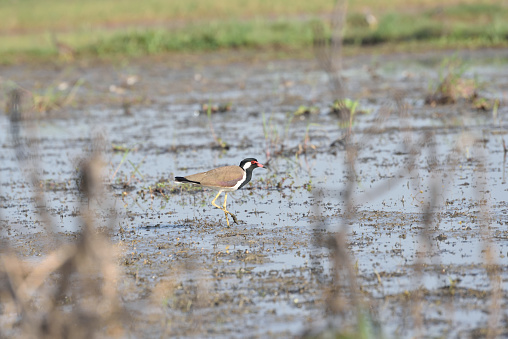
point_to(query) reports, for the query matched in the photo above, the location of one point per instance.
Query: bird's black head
(250, 163)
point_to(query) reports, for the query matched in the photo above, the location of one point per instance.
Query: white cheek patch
(247, 165)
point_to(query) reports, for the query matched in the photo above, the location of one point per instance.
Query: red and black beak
(257, 164)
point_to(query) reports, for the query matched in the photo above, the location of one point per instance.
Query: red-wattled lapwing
(224, 179)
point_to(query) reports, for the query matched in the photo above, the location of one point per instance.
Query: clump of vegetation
(343, 108)
(216, 108)
(452, 85)
(303, 112)
(56, 97)
(483, 104)
(451, 89)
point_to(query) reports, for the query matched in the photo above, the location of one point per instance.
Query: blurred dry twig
(72, 291)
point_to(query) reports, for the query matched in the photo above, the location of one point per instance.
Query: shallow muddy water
(188, 275)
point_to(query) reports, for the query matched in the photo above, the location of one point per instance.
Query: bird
(224, 179)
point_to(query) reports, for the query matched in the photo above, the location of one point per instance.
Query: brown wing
(227, 176)
(196, 177)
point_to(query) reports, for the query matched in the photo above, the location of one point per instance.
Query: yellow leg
(225, 199)
(213, 201)
(222, 208)
(225, 210)
(228, 212)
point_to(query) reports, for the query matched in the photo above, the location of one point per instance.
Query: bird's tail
(182, 179)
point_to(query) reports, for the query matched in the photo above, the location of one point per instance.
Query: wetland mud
(419, 192)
